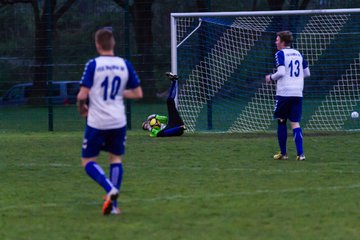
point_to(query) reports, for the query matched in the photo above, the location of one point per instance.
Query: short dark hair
(285, 36)
(105, 38)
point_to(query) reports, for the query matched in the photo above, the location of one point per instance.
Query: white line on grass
(184, 197)
(45, 165)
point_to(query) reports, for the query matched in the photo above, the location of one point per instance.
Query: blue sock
(96, 173)
(116, 172)
(298, 139)
(282, 137)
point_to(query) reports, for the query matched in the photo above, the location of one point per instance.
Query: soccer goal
(222, 59)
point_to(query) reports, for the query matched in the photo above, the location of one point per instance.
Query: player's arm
(154, 132)
(277, 75)
(280, 65)
(82, 101)
(306, 68)
(86, 83)
(135, 93)
(162, 119)
(306, 72)
(133, 89)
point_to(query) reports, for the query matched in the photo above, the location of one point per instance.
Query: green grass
(198, 186)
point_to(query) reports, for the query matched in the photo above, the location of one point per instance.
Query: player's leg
(94, 171)
(116, 173)
(90, 150)
(295, 118)
(92, 143)
(280, 114)
(282, 138)
(172, 132)
(115, 144)
(174, 117)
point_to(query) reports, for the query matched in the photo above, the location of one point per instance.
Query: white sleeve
(306, 72)
(279, 73)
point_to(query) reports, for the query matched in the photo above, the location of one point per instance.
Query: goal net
(222, 60)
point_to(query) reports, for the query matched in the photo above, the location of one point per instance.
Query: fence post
(127, 56)
(49, 66)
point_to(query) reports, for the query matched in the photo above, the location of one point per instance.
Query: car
(59, 92)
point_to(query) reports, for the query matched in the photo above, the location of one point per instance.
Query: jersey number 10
(115, 86)
(294, 68)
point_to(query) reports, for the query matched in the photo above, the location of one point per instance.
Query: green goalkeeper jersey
(163, 121)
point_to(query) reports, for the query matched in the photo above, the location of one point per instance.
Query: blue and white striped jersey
(107, 77)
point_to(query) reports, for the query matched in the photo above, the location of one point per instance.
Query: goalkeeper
(165, 126)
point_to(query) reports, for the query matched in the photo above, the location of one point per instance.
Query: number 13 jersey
(292, 83)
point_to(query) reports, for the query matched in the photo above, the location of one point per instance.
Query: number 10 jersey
(107, 77)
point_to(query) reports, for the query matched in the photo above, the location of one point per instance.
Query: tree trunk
(304, 4)
(42, 64)
(142, 18)
(42, 68)
(276, 4)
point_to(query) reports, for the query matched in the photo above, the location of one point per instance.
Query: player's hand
(83, 108)
(267, 78)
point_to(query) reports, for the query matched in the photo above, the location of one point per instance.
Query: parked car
(61, 92)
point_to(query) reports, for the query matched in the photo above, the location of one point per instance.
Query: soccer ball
(154, 123)
(354, 114)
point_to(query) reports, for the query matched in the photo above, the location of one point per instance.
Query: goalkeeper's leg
(174, 116)
(171, 132)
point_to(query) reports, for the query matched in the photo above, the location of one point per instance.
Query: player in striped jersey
(292, 68)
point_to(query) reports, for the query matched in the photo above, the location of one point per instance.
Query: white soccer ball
(354, 114)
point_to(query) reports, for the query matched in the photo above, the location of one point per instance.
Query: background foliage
(73, 34)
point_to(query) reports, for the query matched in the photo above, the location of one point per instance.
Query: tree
(276, 4)
(141, 15)
(294, 4)
(46, 17)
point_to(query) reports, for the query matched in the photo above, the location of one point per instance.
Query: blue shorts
(288, 108)
(95, 140)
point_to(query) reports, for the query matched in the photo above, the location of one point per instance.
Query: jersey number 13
(294, 68)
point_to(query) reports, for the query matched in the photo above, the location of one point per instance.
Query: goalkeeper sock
(116, 172)
(298, 139)
(97, 174)
(282, 137)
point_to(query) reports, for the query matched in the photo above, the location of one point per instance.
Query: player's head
(283, 39)
(104, 40)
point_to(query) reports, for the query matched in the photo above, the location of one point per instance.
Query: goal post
(222, 59)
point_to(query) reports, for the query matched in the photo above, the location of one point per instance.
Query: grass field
(199, 186)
